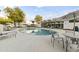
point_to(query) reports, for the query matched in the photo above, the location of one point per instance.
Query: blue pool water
(42, 32)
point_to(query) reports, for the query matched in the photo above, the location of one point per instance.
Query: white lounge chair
(8, 34)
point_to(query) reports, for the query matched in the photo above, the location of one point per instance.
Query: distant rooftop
(68, 16)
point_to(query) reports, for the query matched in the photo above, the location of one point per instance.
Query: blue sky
(48, 12)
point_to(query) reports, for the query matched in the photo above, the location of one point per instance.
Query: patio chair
(3, 36)
(12, 34)
(73, 44)
(57, 37)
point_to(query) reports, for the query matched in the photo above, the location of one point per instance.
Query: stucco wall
(68, 25)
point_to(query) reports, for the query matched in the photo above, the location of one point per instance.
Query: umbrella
(74, 16)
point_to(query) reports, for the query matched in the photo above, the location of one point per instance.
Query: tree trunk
(14, 24)
(18, 24)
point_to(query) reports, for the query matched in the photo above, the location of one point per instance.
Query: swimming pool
(40, 31)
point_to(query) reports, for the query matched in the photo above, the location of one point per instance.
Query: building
(66, 21)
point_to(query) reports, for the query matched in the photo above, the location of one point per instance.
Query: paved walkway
(29, 43)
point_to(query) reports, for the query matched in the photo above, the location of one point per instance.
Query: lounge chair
(8, 34)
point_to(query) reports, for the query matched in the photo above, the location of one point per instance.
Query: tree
(5, 21)
(16, 14)
(44, 23)
(20, 15)
(11, 14)
(33, 25)
(38, 19)
(33, 22)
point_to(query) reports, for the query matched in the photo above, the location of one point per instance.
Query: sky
(48, 12)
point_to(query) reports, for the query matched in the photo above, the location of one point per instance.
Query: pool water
(39, 31)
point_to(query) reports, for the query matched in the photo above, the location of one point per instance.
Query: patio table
(70, 35)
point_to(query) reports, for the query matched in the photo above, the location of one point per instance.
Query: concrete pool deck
(29, 43)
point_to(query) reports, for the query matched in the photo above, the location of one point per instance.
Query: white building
(67, 21)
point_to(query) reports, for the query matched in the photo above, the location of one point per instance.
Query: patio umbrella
(74, 19)
(74, 16)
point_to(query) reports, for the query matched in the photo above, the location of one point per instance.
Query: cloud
(11, 6)
(39, 6)
(2, 14)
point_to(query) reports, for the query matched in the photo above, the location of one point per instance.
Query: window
(73, 21)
